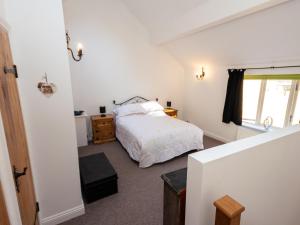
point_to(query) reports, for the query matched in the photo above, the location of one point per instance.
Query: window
(272, 97)
(250, 100)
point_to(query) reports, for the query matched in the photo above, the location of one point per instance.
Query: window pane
(250, 100)
(296, 118)
(276, 101)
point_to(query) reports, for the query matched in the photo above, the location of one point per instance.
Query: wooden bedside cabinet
(103, 129)
(171, 112)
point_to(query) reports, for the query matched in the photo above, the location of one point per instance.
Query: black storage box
(98, 177)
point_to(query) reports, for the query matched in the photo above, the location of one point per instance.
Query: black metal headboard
(135, 99)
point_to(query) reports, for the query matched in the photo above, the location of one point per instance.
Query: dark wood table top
(176, 180)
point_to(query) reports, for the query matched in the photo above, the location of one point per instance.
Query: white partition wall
(260, 172)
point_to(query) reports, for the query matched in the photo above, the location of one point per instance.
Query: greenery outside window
(271, 97)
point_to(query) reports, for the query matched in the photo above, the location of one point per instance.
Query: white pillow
(151, 106)
(129, 109)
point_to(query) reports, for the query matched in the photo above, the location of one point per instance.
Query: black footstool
(98, 177)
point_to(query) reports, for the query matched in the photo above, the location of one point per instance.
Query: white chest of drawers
(81, 130)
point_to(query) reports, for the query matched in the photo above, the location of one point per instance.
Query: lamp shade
(102, 109)
(169, 103)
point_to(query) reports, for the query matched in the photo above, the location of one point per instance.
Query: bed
(150, 136)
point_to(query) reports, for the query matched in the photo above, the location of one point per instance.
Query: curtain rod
(269, 67)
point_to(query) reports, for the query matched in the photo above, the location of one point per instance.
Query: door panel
(15, 132)
(3, 212)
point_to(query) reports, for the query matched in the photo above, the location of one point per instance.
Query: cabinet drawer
(100, 129)
(102, 123)
(104, 126)
(106, 134)
(104, 137)
(173, 114)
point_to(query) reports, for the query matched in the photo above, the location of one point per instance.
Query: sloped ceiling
(170, 19)
(155, 12)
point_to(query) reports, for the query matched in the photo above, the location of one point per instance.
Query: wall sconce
(79, 48)
(202, 75)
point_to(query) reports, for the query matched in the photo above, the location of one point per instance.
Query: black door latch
(12, 70)
(17, 175)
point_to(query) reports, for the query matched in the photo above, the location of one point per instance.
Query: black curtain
(233, 108)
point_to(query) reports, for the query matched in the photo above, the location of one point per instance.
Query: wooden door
(15, 133)
(3, 212)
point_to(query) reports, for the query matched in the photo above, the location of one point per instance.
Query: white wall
(38, 46)
(119, 61)
(2, 9)
(267, 38)
(259, 172)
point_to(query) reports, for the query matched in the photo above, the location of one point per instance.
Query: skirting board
(217, 137)
(64, 216)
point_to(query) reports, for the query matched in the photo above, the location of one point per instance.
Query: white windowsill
(256, 127)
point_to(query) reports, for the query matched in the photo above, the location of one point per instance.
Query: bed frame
(135, 99)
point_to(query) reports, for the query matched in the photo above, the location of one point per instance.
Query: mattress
(155, 137)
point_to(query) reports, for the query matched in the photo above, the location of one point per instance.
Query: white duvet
(155, 137)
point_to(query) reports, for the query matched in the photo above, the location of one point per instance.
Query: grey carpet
(140, 197)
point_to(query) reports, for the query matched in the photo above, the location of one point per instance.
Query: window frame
(294, 102)
(293, 96)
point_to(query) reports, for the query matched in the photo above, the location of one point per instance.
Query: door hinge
(37, 209)
(291, 118)
(12, 70)
(37, 206)
(17, 174)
